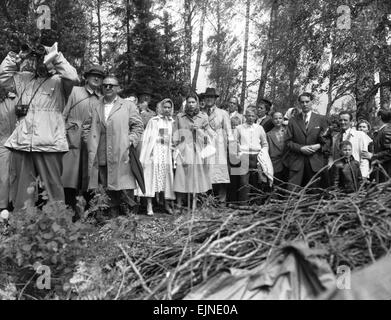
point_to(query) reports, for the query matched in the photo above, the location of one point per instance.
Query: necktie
(306, 120)
(340, 139)
(342, 134)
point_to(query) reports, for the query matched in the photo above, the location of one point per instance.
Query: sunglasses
(109, 86)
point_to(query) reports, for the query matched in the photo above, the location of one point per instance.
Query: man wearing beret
(78, 112)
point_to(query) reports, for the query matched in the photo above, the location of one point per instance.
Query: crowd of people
(68, 140)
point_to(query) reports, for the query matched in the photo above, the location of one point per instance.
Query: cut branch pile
(354, 229)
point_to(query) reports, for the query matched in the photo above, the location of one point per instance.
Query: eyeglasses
(109, 86)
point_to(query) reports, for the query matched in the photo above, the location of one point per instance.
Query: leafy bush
(44, 236)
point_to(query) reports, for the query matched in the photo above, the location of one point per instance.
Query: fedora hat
(201, 96)
(210, 92)
(95, 69)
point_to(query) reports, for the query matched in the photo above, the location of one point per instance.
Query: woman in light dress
(156, 156)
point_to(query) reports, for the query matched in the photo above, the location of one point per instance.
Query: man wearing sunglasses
(116, 125)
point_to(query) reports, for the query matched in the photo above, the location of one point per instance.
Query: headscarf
(159, 107)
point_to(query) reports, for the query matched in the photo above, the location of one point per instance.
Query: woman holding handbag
(156, 156)
(191, 137)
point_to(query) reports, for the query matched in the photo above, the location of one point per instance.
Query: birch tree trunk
(98, 9)
(266, 58)
(385, 38)
(218, 47)
(204, 5)
(330, 99)
(245, 52)
(187, 42)
(128, 45)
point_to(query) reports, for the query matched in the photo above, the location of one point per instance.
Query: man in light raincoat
(219, 121)
(40, 76)
(77, 113)
(116, 125)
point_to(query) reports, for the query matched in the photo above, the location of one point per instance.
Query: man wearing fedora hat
(221, 124)
(78, 112)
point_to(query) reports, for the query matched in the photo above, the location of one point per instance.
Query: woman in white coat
(156, 156)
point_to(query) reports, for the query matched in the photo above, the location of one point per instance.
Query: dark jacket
(276, 151)
(382, 149)
(266, 123)
(298, 136)
(347, 175)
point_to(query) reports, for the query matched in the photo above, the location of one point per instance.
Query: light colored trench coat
(7, 126)
(77, 112)
(123, 127)
(150, 159)
(43, 128)
(220, 122)
(192, 173)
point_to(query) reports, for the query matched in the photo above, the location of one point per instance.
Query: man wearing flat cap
(78, 112)
(221, 124)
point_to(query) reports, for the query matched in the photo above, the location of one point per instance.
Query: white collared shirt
(307, 116)
(108, 107)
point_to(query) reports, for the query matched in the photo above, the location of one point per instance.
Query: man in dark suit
(305, 143)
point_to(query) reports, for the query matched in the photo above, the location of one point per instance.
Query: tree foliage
(223, 52)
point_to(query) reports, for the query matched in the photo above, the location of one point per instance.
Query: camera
(21, 110)
(35, 51)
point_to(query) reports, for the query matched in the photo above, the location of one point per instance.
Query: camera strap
(74, 105)
(35, 92)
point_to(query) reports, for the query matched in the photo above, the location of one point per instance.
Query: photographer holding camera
(40, 76)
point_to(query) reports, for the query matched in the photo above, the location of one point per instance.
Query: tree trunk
(128, 44)
(200, 46)
(385, 32)
(187, 43)
(245, 52)
(266, 58)
(292, 68)
(218, 48)
(331, 82)
(98, 8)
(89, 51)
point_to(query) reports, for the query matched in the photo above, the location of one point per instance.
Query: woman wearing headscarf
(192, 135)
(156, 156)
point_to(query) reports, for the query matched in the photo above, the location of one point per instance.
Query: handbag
(207, 152)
